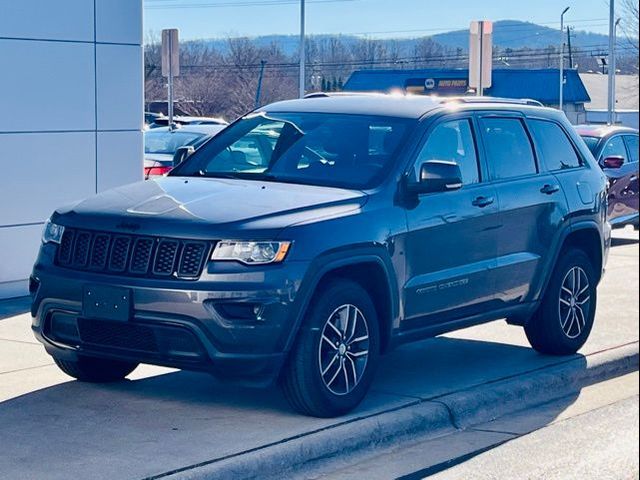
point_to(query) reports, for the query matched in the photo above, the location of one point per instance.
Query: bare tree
(630, 23)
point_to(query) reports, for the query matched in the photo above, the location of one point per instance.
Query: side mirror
(182, 153)
(613, 161)
(437, 176)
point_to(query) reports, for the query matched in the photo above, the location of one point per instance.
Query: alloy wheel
(343, 349)
(574, 303)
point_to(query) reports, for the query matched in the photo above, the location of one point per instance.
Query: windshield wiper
(237, 175)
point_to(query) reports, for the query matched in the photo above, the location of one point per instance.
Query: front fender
(329, 262)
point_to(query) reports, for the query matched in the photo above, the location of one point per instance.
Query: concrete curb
(432, 416)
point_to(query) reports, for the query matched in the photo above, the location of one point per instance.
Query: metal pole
(569, 47)
(480, 87)
(259, 89)
(170, 83)
(561, 58)
(611, 61)
(302, 49)
(612, 66)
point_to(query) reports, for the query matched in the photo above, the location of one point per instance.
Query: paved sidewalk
(161, 420)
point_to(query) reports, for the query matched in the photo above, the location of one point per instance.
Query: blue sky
(373, 18)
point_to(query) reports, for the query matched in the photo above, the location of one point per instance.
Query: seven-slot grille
(132, 254)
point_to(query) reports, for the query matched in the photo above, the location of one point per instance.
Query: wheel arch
(587, 237)
(371, 270)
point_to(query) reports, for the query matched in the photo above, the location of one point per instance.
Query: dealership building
(71, 92)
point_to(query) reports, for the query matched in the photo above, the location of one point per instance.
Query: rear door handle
(549, 189)
(482, 201)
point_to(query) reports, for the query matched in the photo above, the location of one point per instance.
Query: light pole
(612, 53)
(302, 49)
(562, 57)
(612, 67)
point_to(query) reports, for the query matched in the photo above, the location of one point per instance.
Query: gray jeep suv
(311, 236)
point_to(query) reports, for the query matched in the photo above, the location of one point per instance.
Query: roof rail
(341, 94)
(517, 101)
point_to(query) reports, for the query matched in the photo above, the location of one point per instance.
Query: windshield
(592, 143)
(168, 142)
(349, 151)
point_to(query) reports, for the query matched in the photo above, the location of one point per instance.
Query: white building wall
(71, 98)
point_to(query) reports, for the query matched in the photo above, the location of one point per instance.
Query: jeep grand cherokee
(311, 236)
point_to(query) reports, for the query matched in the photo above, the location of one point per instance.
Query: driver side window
(452, 142)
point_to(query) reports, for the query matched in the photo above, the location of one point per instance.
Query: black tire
(302, 379)
(554, 329)
(96, 370)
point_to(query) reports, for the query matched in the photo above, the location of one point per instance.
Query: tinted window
(554, 146)
(614, 148)
(351, 151)
(453, 142)
(632, 145)
(592, 143)
(508, 147)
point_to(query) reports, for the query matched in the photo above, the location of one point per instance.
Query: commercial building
(627, 99)
(71, 92)
(541, 85)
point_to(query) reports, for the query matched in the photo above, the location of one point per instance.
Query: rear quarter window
(553, 145)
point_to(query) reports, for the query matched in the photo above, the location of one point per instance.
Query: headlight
(251, 253)
(52, 232)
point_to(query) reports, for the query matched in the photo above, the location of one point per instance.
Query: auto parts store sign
(440, 86)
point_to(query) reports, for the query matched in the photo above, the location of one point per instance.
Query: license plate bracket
(106, 302)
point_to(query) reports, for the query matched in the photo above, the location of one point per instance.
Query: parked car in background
(311, 236)
(150, 119)
(616, 150)
(187, 120)
(161, 144)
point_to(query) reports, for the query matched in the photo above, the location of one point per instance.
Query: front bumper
(235, 321)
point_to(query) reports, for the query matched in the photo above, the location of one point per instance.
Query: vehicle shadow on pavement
(155, 424)
(620, 241)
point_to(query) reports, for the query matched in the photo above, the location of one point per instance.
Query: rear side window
(508, 148)
(453, 142)
(553, 145)
(632, 145)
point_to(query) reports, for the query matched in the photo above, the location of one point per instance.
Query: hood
(202, 207)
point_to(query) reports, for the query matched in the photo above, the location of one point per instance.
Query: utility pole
(259, 88)
(562, 57)
(612, 66)
(302, 49)
(569, 47)
(612, 54)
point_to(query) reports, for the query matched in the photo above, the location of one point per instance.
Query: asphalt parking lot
(162, 420)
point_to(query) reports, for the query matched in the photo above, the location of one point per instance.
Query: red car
(616, 150)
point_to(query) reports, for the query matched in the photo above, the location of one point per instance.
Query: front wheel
(565, 317)
(332, 364)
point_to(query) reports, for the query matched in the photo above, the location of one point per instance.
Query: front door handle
(549, 189)
(482, 201)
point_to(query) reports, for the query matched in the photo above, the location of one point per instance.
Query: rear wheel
(565, 317)
(332, 364)
(91, 369)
